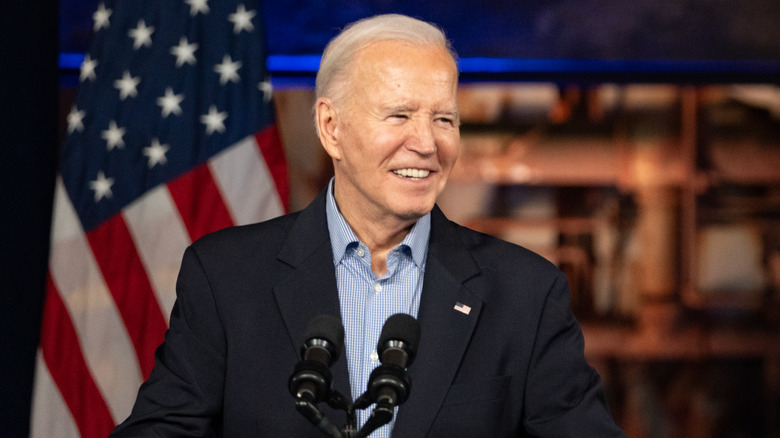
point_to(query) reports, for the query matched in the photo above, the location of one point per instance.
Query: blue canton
(367, 300)
(164, 87)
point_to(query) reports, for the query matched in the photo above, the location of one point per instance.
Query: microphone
(311, 379)
(399, 340)
(388, 384)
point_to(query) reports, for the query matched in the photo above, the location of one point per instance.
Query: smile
(410, 173)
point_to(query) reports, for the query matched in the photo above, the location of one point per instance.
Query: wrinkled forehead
(383, 60)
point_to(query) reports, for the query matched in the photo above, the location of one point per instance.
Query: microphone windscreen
(327, 327)
(400, 327)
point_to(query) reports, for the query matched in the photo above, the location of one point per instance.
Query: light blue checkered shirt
(367, 301)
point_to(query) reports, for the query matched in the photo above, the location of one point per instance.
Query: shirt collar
(342, 236)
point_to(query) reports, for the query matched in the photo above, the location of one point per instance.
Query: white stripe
(160, 237)
(104, 340)
(245, 183)
(50, 415)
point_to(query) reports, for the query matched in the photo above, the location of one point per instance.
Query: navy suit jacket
(512, 366)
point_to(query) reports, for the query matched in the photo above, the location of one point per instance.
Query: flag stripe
(107, 348)
(125, 276)
(199, 202)
(50, 414)
(160, 238)
(170, 137)
(241, 174)
(60, 344)
(270, 143)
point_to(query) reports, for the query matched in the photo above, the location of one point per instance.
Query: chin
(416, 212)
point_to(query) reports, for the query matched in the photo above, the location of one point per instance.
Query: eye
(446, 121)
(397, 118)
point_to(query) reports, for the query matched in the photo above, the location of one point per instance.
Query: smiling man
(500, 353)
(394, 138)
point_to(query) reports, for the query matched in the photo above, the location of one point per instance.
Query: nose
(422, 139)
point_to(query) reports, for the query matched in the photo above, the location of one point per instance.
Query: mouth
(413, 174)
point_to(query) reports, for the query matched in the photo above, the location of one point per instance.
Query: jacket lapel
(444, 331)
(310, 288)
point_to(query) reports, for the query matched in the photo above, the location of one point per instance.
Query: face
(395, 136)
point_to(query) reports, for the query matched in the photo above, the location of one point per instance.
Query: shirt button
(360, 252)
(377, 288)
(373, 356)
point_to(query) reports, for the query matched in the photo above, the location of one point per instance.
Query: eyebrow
(399, 108)
(411, 108)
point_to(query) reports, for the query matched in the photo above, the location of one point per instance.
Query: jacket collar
(310, 288)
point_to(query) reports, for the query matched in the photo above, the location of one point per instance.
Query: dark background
(725, 39)
(28, 147)
(572, 29)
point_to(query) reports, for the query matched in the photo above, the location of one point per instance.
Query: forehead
(402, 64)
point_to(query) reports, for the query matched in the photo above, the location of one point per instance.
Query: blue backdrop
(637, 37)
(576, 29)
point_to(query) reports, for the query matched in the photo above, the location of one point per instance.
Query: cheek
(448, 150)
(356, 151)
(383, 145)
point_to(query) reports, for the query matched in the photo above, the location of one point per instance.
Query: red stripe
(270, 143)
(126, 278)
(199, 202)
(63, 356)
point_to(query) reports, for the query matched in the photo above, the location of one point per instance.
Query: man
(500, 353)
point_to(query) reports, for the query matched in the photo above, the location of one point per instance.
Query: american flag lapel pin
(462, 308)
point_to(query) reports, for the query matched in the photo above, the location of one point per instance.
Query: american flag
(171, 136)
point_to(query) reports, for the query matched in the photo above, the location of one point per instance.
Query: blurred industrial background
(661, 203)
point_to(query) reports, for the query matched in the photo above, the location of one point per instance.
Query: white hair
(341, 50)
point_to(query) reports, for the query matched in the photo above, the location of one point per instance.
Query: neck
(379, 233)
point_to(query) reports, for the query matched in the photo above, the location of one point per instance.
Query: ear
(327, 127)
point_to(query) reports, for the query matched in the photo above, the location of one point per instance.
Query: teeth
(412, 173)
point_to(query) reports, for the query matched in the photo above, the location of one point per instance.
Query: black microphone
(389, 384)
(399, 340)
(311, 378)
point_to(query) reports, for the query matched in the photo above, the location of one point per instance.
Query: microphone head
(401, 333)
(327, 332)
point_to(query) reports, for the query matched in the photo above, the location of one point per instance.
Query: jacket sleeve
(564, 395)
(183, 395)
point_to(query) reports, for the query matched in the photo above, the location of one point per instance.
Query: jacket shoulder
(491, 251)
(268, 234)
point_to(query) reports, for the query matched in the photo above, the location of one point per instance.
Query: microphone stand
(316, 417)
(381, 415)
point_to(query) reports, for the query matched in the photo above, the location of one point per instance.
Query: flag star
(141, 35)
(228, 70)
(127, 85)
(267, 89)
(170, 103)
(88, 69)
(184, 52)
(113, 136)
(100, 17)
(156, 153)
(214, 120)
(102, 186)
(242, 19)
(198, 6)
(76, 120)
